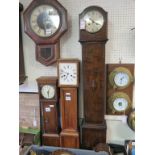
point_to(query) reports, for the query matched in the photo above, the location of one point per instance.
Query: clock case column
(49, 113)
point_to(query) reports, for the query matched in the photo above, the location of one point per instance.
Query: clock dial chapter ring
(119, 103)
(48, 91)
(93, 20)
(120, 78)
(45, 20)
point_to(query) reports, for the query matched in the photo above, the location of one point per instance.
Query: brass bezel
(116, 71)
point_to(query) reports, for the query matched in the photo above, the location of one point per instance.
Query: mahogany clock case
(49, 113)
(63, 19)
(111, 90)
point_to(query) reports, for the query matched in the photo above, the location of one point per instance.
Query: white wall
(120, 45)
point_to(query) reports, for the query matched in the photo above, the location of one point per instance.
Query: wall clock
(119, 103)
(68, 72)
(131, 119)
(120, 79)
(49, 110)
(45, 22)
(93, 37)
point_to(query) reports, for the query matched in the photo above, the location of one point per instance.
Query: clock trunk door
(94, 81)
(50, 120)
(69, 108)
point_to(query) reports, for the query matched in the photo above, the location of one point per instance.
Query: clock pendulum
(93, 37)
(68, 73)
(49, 110)
(45, 22)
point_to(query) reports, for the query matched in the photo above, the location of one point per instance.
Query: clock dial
(120, 104)
(93, 21)
(44, 20)
(68, 73)
(121, 79)
(48, 91)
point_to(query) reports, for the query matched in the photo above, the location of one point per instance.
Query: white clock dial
(44, 20)
(93, 21)
(68, 73)
(48, 91)
(120, 104)
(121, 79)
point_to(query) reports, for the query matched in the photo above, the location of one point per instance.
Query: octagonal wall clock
(45, 22)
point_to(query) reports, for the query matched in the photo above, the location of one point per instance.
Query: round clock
(94, 21)
(48, 91)
(131, 120)
(120, 77)
(119, 102)
(45, 20)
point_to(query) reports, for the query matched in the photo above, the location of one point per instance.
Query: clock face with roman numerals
(68, 74)
(44, 20)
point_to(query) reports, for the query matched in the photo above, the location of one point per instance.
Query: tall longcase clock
(68, 73)
(45, 22)
(49, 110)
(93, 37)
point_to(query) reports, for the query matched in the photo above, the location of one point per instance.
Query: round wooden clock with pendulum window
(93, 37)
(45, 23)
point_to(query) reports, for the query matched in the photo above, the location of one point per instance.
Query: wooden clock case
(93, 128)
(47, 48)
(49, 120)
(69, 136)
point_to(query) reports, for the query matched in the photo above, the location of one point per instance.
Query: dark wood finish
(99, 36)
(48, 54)
(93, 129)
(110, 90)
(49, 120)
(69, 139)
(93, 134)
(63, 22)
(22, 75)
(51, 140)
(53, 40)
(68, 104)
(78, 71)
(93, 56)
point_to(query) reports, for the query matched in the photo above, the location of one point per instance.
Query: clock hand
(94, 21)
(48, 92)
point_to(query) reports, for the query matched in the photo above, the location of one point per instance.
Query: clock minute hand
(94, 21)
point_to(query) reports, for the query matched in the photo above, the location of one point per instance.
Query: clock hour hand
(94, 21)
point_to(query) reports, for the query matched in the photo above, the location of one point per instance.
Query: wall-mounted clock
(49, 110)
(68, 72)
(93, 37)
(120, 78)
(45, 22)
(119, 103)
(131, 119)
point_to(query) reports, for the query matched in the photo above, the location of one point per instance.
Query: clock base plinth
(51, 139)
(93, 134)
(69, 138)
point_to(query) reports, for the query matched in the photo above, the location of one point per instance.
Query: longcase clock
(68, 73)
(45, 22)
(93, 37)
(49, 110)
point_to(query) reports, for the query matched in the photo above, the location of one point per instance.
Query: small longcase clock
(68, 73)
(49, 110)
